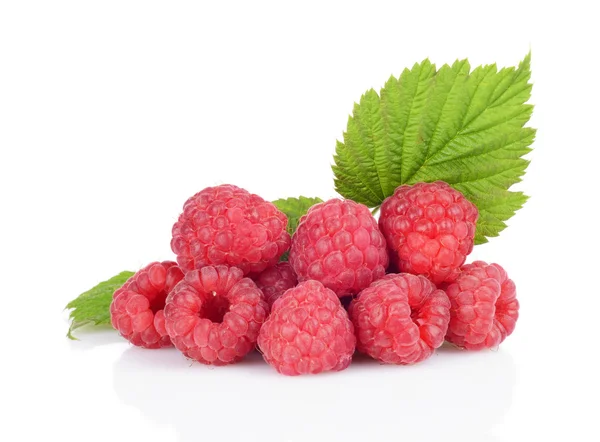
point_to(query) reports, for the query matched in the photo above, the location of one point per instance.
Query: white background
(112, 113)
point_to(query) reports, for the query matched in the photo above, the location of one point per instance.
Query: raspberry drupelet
(275, 280)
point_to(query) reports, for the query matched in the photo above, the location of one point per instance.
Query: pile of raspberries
(393, 290)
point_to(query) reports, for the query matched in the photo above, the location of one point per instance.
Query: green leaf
(294, 208)
(458, 125)
(93, 306)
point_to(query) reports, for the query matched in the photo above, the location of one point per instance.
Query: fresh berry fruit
(308, 331)
(339, 244)
(484, 306)
(214, 315)
(429, 229)
(136, 310)
(400, 319)
(228, 225)
(275, 281)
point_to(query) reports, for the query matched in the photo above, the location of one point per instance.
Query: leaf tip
(426, 63)
(525, 64)
(70, 335)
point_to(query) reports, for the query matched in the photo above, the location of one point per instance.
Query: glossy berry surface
(230, 226)
(339, 244)
(429, 229)
(275, 280)
(484, 306)
(214, 315)
(400, 319)
(136, 310)
(308, 332)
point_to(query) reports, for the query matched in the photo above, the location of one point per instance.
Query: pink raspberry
(429, 229)
(136, 310)
(228, 225)
(214, 315)
(484, 306)
(308, 331)
(400, 319)
(339, 244)
(275, 281)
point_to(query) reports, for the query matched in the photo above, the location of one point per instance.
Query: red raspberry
(308, 331)
(228, 225)
(429, 228)
(339, 244)
(400, 319)
(214, 315)
(276, 280)
(136, 310)
(484, 306)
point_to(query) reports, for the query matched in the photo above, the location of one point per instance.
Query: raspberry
(484, 306)
(400, 319)
(308, 331)
(275, 281)
(429, 228)
(136, 310)
(214, 315)
(228, 225)
(339, 244)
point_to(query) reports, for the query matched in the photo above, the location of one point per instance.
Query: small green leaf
(93, 306)
(458, 125)
(294, 208)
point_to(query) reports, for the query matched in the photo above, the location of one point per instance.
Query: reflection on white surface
(89, 338)
(454, 395)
